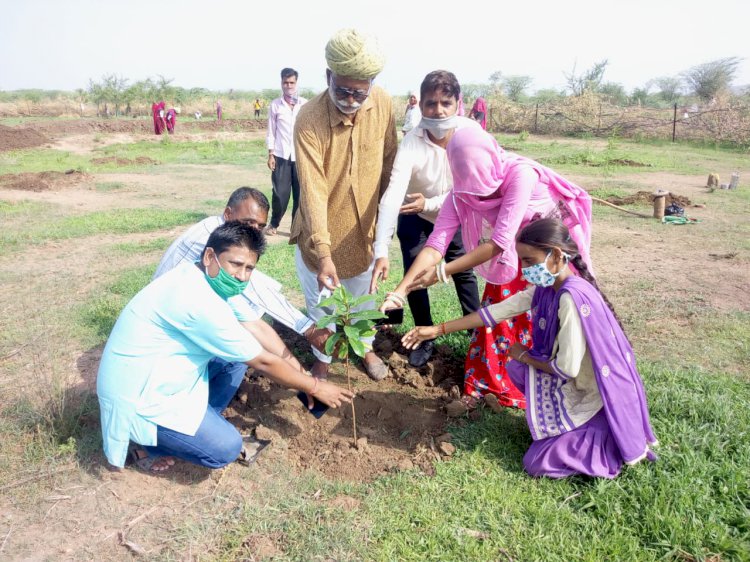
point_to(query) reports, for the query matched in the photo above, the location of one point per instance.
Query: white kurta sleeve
(512, 306)
(571, 340)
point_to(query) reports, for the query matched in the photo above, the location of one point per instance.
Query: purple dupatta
(617, 378)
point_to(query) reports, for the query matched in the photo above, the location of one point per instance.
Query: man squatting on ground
(157, 385)
(420, 182)
(282, 113)
(263, 294)
(345, 143)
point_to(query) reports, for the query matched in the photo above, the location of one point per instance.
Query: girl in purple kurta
(586, 406)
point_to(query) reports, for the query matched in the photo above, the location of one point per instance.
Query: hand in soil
(331, 395)
(415, 336)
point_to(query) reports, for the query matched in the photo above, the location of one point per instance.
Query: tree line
(115, 95)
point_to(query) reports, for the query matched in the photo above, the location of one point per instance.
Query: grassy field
(67, 272)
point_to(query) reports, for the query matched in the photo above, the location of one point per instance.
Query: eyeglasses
(358, 95)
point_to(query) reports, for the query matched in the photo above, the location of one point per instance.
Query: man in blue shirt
(157, 385)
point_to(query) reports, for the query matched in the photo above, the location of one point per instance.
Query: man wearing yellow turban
(345, 143)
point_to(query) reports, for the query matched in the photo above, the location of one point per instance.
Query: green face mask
(224, 284)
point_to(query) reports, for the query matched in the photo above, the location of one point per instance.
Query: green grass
(109, 185)
(138, 248)
(100, 314)
(41, 160)
(249, 153)
(99, 222)
(609, 157)
(691, 504)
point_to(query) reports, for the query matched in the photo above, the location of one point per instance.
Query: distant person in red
(157, 109)
(218, 110)
(171, 119)
(480, 106)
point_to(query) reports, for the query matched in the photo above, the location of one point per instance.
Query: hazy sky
(242, 44)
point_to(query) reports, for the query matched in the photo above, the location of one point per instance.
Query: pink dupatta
(479, 168)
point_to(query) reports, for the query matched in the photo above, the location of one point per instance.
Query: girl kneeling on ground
(586, 406)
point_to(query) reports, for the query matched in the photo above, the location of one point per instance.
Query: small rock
(362, 444)
(242, 397)
(262, 432)
(396, 360)
(405, 465)
(446, 448)
(456, 408)
(444, 438)
(454, 393)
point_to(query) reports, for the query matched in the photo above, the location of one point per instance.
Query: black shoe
(420, 356)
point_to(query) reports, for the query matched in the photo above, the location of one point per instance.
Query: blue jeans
(217, 442)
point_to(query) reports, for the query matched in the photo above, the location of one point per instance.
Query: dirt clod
(446, 448)
(456, 408)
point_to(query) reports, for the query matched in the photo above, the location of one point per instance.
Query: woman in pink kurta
(495, 194)
(480, 106)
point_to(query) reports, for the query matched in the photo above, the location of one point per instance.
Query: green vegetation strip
(117, 221)
(690, 505)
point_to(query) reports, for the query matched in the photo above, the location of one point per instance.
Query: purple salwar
(621, 431)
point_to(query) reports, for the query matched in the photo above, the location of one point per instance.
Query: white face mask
(438, 128)
(343, 106)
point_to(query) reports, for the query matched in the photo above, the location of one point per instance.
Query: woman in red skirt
(495, 194)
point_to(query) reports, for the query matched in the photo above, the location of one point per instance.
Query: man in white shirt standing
(282, 113)
(412, 115)
(420, 182)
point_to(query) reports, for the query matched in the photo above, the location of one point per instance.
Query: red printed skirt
(484, 369)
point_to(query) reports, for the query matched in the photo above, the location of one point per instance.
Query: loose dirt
(16, 138)
(42, 181)
(139, 161)
(648, 197)
(398, 419)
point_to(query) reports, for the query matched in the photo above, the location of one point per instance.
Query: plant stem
(354, 412)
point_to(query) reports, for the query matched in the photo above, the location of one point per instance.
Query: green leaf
(367, 333)
(328, 319)
(330, 302)
(358, 347)
(351, 333)
(367, 314)
(343, 352)
(362, 300)
(331, 343)
(363, 325)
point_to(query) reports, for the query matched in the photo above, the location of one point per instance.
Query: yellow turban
(354, 55)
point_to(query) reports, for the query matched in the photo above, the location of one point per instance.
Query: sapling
(351, 327)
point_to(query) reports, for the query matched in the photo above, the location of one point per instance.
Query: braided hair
(546, 234)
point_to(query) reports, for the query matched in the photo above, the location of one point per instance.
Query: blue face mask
(539, 275)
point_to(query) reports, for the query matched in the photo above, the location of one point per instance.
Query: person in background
(282, 113)
(420, 183)
(480, 106)
(157, 111)
(495, 194)
(171, 119)
(413, 114)
(256, 108)
(461, 112)
(345, 143)
(218, 111)
(157, 385)
(587, 409)
(263, 295)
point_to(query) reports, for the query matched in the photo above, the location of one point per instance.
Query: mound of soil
(65, 127)
(400, 420)
(139, 161)
(12, 138)
(42, 181)
(647, 197)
